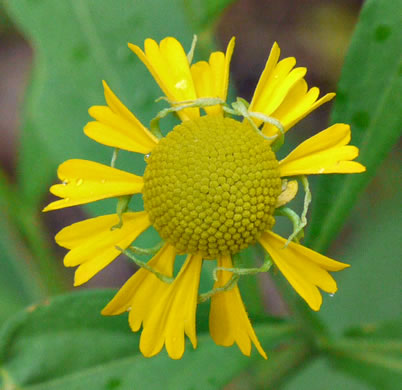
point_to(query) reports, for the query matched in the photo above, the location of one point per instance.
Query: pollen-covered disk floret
(211, 186)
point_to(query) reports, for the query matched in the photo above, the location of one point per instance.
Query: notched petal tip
(80, 277)
(315, 306)
(275, 47)
(134, 48)
(325, 153)
(230, 47)
(358, 167)
(305, 269)
(228, 318)
(167, 41)
(50, 206)
(78, 282)
(107, 91)
(341, 266)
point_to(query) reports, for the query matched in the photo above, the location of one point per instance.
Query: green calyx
(211, 186)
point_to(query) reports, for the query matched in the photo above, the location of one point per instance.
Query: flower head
(211, 187)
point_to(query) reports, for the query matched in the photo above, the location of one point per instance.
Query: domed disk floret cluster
(211, 186)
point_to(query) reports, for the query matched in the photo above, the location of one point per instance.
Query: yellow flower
(210, 189)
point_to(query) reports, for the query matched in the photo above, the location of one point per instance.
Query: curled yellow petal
(87, 181)
(93, 242)
(282, 93)
(228, 319)
(304, 268)
(326, 152)
(293, 110)
(142, 291)
(211, 78)
(117, 127)
(281, 87)
(173, 315)
(168, 64)
(288, 193)
(264, 82)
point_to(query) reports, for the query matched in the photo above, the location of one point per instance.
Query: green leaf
(369, 98)
(25, 242)
(67, 344)
(373, 282)
(372, 353)
(34, 174)
(77, 44)
(204, 12)
(319, 375)
(19, 280)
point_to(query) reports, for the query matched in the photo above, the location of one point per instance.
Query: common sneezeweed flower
(212, 187)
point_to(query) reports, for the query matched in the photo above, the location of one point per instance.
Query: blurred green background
(53, 56)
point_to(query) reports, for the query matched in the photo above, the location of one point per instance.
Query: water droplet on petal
(146, 157)
(79, 182)
(331, 295)
(65, 182)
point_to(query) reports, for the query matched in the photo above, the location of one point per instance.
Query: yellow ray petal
(174, 314)
(203, 78)
(118, 107)
(304, 107)
(222, 73)
(93, 242)
(152, 288)
(275, 85)
(297, 96)
(304, 268)
(117, 127)
(266, 75)
(80, 232)
(326, 152)
(142, 291)
(282, 93)
(211, 78)
(296, 106)
(87, 181)
(168, 64)
(287, 194)
(228, 319)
